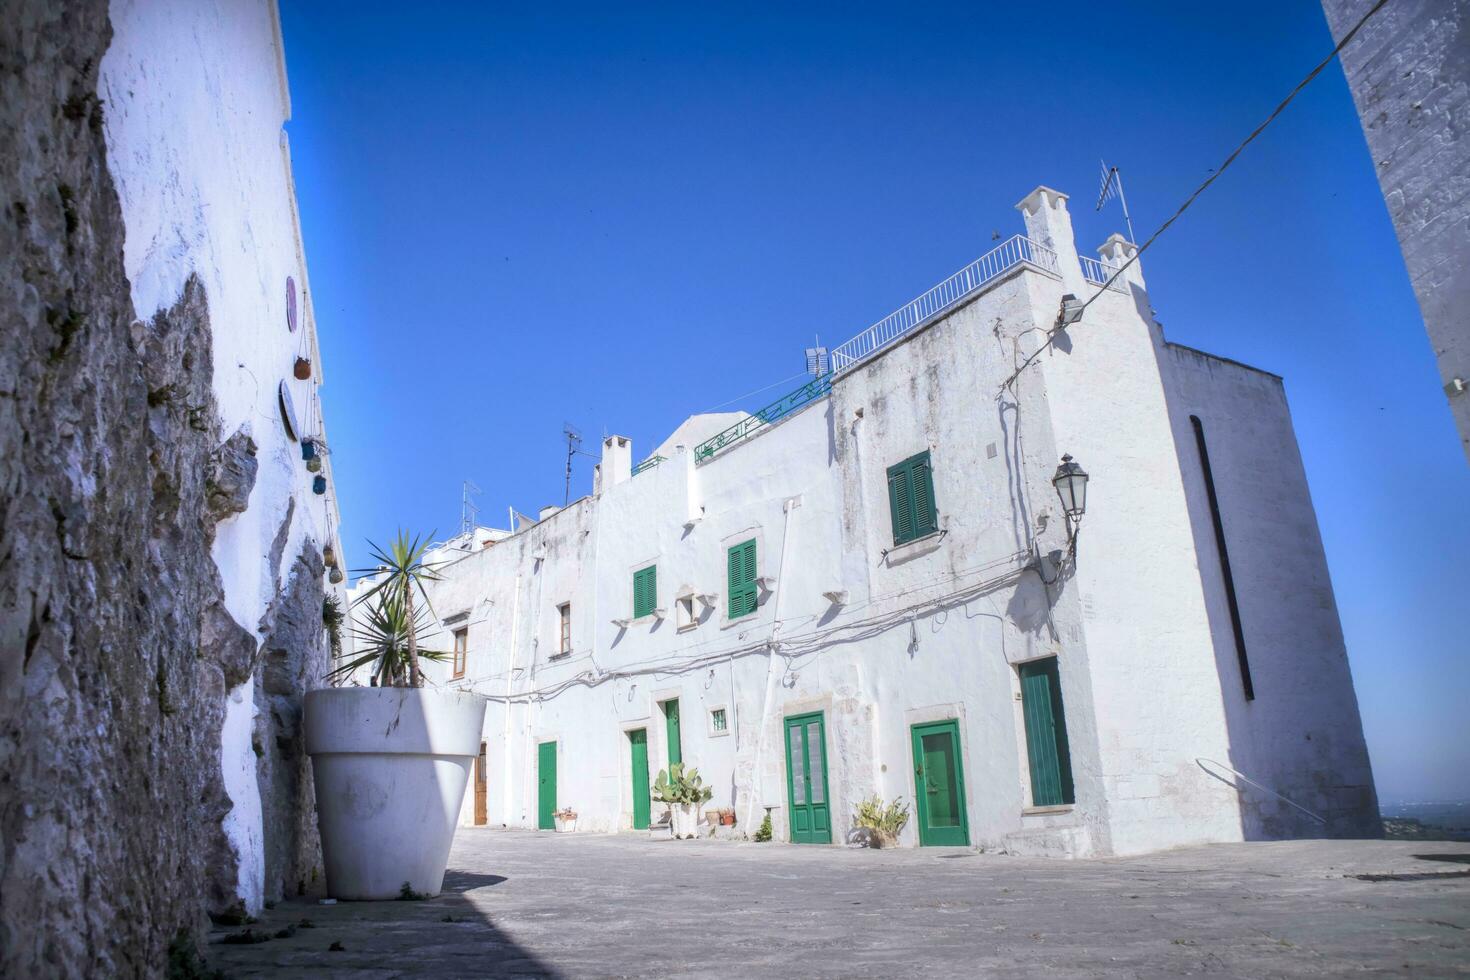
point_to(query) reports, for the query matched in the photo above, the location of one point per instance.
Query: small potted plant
(566, 820)
(727, 817)
(683, 791)
(883, 820)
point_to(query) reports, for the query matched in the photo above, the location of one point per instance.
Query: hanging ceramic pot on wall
(308, 447)
(335, 576)
(319, 485)
(314, 465)
(303, 368)
(329, 556)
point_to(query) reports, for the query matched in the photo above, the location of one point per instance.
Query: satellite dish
(288, 410)
(291, 304)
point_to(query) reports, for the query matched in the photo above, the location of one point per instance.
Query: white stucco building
(869, 589)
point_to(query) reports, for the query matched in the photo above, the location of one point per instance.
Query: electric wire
(1051, 335)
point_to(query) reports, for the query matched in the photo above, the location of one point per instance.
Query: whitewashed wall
(1131, 629)
(196, 99)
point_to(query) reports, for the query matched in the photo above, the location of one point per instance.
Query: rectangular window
(684, 613)
(461, 650)
(744, 593)
(911, 498)
(645, 591)
(718, 723)
(1046, 734)
(564, 628)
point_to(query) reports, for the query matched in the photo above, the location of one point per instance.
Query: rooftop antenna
(817, 361)
(574, 443)
(1111, 179)
(468, 510)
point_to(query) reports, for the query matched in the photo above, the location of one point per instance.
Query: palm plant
(380, 638)
(403, 573)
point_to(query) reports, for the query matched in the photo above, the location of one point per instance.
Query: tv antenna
(1112, 178)
(817, 361)
(468, 510)
(574, 444)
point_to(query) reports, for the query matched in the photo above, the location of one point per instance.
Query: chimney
(1117, 250)
(1049, 223)
(546, 512)
(617, 461)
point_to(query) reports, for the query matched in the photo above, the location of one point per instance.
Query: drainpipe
(770, 694)
(510, 673)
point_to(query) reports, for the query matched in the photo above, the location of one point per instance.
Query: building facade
(161, 600)
(871, 588)
(1409, 72)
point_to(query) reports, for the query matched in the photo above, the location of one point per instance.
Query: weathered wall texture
(128, 631)
(1409, 71)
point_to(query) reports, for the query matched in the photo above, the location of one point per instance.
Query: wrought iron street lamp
(1071, 483)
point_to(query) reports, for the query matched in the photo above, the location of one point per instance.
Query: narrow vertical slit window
(461, 650)
(564, 629)
(1225, 573)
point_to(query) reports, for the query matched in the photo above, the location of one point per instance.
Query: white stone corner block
(1043, 196)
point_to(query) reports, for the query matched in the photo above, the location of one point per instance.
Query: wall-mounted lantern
(1071, 484)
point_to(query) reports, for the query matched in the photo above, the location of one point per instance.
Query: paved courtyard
(595, 906)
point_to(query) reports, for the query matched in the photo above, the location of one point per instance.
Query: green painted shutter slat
(901, 503)
(645, 591)
(922, 481)
(741, 565)
(1046, 734)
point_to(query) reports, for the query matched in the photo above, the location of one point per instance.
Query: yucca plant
(678, 787)
(380, 636)
(887, 819)
(403, 573)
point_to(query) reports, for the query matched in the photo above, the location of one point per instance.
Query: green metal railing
(649, 464)
(809, 392)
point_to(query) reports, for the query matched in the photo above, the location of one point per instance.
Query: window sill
(559, 656)
(1042, 811)
(687, 627)
(916, 548)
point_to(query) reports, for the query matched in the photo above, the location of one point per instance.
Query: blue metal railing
(779, 409)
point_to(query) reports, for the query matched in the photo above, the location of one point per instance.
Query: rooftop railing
(1098, 273)
(649, 464)
(943, 298)
(809, 392)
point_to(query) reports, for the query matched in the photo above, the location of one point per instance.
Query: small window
(684, 612)
(911, 499)
(564, 629)
(719, 722)
(461, 650)
(743, 591)
(645, 591)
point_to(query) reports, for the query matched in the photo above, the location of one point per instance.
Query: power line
(1051, 335)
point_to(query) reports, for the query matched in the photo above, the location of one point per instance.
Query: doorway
(546, 786)
(481, 816)
(806, 779)
(638, 744)
(939, 785)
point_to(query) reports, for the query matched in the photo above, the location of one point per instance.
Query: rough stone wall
(1409, 71)
(116, 650)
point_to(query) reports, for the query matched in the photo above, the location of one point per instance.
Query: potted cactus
(884, 821)
(566, 820)
(683, 790)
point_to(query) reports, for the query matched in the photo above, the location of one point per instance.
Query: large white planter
(390, 765)
(684, 820)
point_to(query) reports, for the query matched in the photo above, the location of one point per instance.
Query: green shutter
(645, 591)
(742, 590)
(911, 499)
(1046, 734)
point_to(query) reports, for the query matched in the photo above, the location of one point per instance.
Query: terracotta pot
(302, 369)
(727, 819)
(329, 556)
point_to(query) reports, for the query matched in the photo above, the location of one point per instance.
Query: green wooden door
(546, 786)
(939, 785)
(806, 779)
(639, 742)
(671, 720)
(1046, 734)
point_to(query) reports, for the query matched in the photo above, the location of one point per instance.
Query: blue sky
(517, 217)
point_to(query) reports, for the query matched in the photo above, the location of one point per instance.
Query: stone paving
(522, 903)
